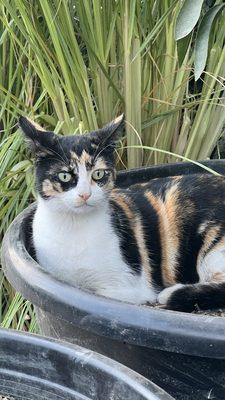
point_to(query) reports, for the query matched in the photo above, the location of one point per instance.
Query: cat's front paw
(165, 294)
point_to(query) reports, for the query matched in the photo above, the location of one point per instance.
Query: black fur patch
(198, 297)
(128, 244)
(150, 224)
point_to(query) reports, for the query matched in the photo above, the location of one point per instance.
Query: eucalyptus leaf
(202, 39)
(188, 17)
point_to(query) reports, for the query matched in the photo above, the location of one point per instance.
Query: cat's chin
(84, 208)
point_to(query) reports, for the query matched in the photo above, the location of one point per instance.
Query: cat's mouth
(84, 205)
(82, 208)
(78, 208)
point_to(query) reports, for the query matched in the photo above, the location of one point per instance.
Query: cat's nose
(85, 196)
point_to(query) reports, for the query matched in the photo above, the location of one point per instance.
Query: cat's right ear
(38, 140)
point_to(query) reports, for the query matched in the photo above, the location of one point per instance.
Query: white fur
(213, 263)
(83, 250)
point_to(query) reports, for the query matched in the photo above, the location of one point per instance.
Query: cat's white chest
(85, 252)
(66, 246)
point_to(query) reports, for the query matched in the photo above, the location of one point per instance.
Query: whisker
(97, 155)
(53, 159)
(58, 155)
(62, 150)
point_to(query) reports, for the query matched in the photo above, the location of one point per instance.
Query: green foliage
(75, 65)
(187, 19)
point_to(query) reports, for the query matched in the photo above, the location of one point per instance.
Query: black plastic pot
(182, 353)
(34, 368)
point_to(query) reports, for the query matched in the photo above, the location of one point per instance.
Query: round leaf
(202, 39)
(188, 17)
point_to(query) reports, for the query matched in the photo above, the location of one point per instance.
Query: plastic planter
(182, 353)
(34, 368)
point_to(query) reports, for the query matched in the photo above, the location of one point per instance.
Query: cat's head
(74, 173)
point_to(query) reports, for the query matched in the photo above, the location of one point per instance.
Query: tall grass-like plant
(74, 65)
(96, 58)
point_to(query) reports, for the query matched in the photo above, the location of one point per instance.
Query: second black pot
(33, 368)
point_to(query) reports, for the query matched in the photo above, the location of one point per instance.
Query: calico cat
(162, 241)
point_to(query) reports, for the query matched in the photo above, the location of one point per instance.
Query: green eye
(98, 174)
(64, 176)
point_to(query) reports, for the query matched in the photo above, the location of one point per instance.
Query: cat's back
(201, 189)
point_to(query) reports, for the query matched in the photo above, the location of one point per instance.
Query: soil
(214, 313)
(217, 313)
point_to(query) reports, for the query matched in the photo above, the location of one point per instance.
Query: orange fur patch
(100, 163)
(167, 212)
(51, 189)
(85, 157)
(210, 237)
(218, 277)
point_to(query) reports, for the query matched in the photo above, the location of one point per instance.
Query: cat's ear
(110, 133)
(38, 140)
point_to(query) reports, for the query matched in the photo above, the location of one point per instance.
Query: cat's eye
(98, 174)
(64, 176)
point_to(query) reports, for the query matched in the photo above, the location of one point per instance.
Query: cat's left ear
(110, 133)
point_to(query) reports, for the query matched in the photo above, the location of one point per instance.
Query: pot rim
(193, 334)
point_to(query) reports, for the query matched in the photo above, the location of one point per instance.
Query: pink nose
(85, 196)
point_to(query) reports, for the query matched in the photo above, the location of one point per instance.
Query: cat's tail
(199, 296)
